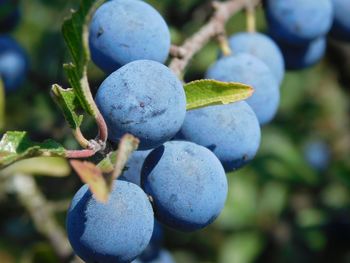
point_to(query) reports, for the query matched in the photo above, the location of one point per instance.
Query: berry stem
(224, 45)
(102, 129)
(80, 154)
(80, 138)
(251, 18)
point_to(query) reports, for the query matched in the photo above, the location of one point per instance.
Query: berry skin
(13, 63)
(299, 21)
(134, 165)
(187, 183)
(143, 98)
(245, 68)
(341, 23)
(115, 232)
(122, 31)
(231, 131)
(317, 154)
(153, 249)
(262, 47)
(300, 57)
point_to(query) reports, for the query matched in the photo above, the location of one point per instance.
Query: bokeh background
(291, 204)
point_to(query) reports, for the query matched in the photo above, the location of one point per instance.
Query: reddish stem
(80, 154)
(102, 128)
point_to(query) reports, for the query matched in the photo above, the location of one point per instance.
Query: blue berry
(134, 165)
(317, 154)
(231, 131)
(13, 63)
(115, 232)
(299, 21)
(262, 47)
(341, 24)
(122, 31)
(245, 68)
(143, 98)
(154, 247)
(299, 57)
(187, 183)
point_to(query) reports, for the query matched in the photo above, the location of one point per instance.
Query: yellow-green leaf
(127, 145)
(47, 166)
(206, 92)
(68, 102)
(15, 146)
(76, 34)
(90, 174)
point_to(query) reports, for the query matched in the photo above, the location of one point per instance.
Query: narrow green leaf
(127, 145)
(118, 159)
(242, 247)
(99, 177)
(76, 33)
(47, 166)
(68, 102)
(107, 164)
(206, 92)
(15, 146)
(90, 174)
(2, 105)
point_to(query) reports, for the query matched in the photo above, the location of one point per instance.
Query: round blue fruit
(122, 31)
(231, 132)
(143, 98)
(13, 63)
(113, 232)
(299, 21)
(262, 47)
(154, 247)
(187, 183)
(300, 57)
(317, 154)
(245, 68)
(134, 166)
(341, 24)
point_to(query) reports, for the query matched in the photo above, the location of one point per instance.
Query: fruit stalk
(250, 13)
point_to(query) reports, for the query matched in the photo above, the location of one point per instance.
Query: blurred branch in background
(41, 213)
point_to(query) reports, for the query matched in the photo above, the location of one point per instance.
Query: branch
(41, 213)
(214, 28)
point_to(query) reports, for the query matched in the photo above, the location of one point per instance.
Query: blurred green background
(280, 208)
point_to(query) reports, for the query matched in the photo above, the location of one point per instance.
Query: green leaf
(68, 102)
(15, 146)
(242, 247)
(92, 175)
(2, 105)
(47, 166)
(206, 92)
(107, 164)
(127, 145)
(76, 34)
(118, 159)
